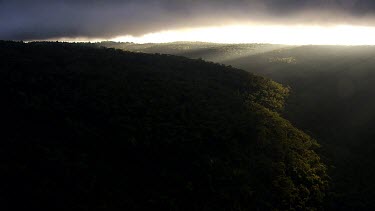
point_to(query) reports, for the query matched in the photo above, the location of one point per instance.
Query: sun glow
(292, 35)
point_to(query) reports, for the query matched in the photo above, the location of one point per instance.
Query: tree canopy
(95, 128)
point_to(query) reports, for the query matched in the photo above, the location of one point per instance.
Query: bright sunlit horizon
(273, 34)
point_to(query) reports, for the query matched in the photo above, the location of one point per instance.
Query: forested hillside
(214, 52)
(332, 99)
(92, 128)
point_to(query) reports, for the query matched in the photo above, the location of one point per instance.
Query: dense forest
(332, 99)
(86, 127)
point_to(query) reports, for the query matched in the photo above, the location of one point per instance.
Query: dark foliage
(332, 99)
(91, 128)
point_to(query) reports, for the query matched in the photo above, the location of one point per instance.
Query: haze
(336, 22)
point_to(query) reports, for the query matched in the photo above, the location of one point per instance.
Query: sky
(274, 21)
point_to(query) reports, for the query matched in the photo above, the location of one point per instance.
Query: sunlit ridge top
(278, 34)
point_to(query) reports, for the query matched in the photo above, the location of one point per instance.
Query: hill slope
(332, 98)
(92, 128)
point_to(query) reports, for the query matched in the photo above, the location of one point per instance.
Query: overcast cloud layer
(48, 19)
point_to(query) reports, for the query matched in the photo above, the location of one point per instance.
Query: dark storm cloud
(42, 19)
